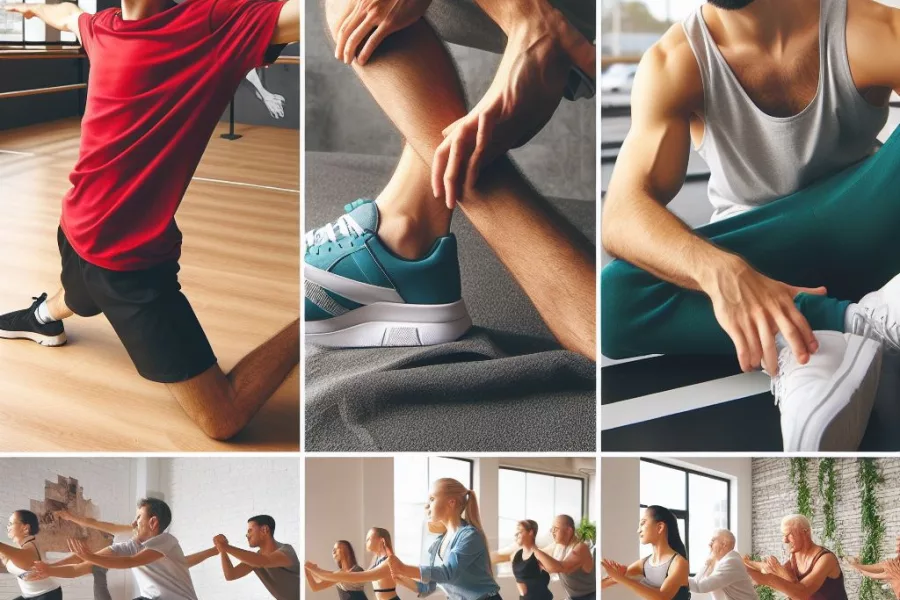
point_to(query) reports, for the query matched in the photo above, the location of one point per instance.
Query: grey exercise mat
(506, 386)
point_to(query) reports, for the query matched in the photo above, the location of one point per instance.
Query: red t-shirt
(156, 90)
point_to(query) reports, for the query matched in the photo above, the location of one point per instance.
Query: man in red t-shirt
(161, 75)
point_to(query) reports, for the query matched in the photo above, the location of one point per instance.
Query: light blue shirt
(465, 571)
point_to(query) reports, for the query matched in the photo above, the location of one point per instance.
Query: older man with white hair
(812, 572)
(724, 576)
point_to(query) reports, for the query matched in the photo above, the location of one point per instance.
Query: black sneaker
(23, 325)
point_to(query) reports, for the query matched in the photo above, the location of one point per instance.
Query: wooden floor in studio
(240, 271)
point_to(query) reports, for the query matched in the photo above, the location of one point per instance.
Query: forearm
(198, 557)
(869, 570)
(640, 230)
(791, 589)
(550, 564)
(643, 591)
(69, 560)
(57, 16)
(104, 526)
(108, 561)
(70, 571)
(408, 583)
(251, 559)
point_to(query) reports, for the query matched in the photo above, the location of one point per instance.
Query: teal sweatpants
(842, 232)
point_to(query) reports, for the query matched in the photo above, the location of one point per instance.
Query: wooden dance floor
(240, 271)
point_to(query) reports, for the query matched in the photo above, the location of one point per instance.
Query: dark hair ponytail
(664, 515)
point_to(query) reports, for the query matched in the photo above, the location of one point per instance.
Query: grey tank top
(755, 158)
(579, 582)
(655, 576)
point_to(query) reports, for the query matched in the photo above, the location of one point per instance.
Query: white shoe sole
(838, 422)
(43, 340)
(392, 324)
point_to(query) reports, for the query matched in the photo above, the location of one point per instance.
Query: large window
(539, 497)
(700, 502)
(14, 29)
(413, 476)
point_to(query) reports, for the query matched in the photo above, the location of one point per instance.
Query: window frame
(583, 481)
(685, 513)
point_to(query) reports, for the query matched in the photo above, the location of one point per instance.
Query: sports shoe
(22, 324)
(825, 404)
(360, 294)
(878, 315)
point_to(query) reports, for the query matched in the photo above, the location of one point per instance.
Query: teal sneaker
(360, 294)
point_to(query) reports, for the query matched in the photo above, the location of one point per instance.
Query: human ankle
(406, 235)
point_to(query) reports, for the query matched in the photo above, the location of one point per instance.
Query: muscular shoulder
(669, 73)
(873, 43)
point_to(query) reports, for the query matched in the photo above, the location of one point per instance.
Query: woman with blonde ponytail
(459, 561)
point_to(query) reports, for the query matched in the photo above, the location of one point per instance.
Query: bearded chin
(730, 4)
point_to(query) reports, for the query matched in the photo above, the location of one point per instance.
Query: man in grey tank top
(570, 559)
(796, 273)
(276, 564)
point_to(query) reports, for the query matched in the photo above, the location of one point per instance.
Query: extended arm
(104, 526)
(232, 572)
(63, 17)
(23, 558)
(257, 560)
(571, 563)
(314, 583)
(382, 571)
(198, 557)
(632, 571)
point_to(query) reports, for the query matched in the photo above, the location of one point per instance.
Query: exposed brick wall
(774, 497)
(106, 481)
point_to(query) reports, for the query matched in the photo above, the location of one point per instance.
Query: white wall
(620, 496)
(347, 496)
(106, 481)
(209, 496)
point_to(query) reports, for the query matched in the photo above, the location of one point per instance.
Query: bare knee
(209, 400)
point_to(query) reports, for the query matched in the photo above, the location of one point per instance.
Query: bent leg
(840, 233)
(414, 80)
(221, 405)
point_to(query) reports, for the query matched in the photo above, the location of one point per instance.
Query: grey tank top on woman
(655, 576)
(755, 158)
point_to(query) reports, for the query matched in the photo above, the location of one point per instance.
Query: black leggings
(51, 595)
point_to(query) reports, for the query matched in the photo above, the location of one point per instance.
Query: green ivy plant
(799, 467)
(869, 478)
(763, 591)
(827, 492)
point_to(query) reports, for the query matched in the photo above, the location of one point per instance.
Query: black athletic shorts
(148, 311)
(51, 595)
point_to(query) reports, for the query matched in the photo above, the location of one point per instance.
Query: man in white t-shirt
(724, 575)
(158, 564)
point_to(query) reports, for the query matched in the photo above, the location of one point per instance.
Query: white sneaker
(825, 404)
(878, 315)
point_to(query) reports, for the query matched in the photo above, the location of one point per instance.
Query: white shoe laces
(344, 226)
(776, 385)
(875, 323)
